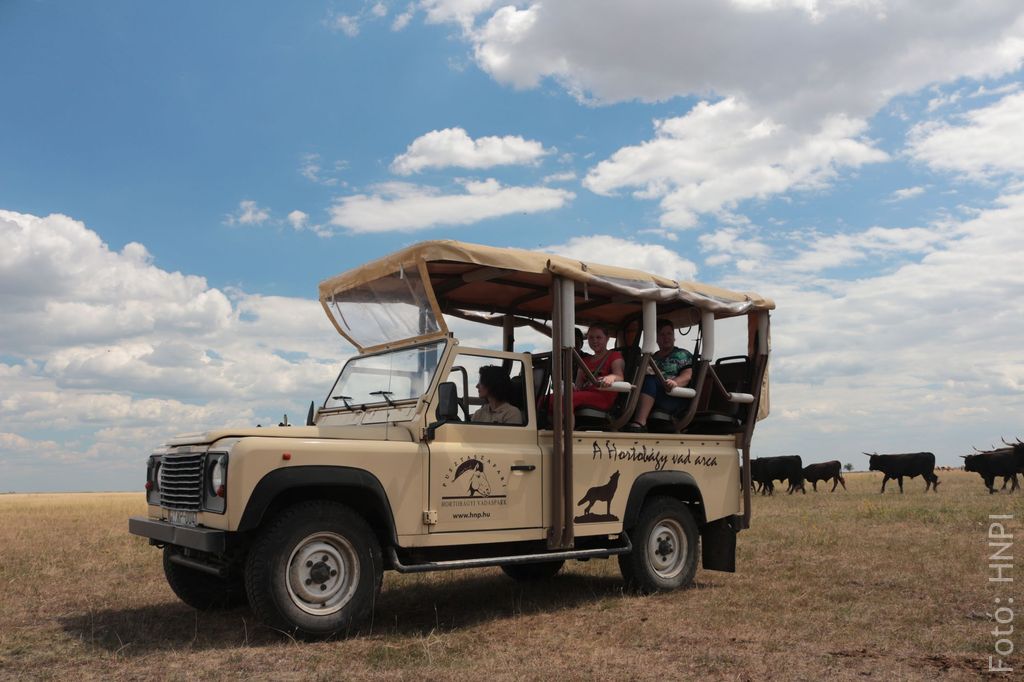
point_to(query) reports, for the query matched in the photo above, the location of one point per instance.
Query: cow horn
(965, 456)
(1004, 441)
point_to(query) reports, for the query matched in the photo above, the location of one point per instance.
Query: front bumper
(203, 539)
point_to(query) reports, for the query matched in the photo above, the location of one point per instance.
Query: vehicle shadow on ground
(416, 606)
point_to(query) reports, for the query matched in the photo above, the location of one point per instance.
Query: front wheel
(315, 570)
(665, 544)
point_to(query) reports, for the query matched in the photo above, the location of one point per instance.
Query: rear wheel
(665, 543)
(201, 590)
(315, 570)
(544, 570)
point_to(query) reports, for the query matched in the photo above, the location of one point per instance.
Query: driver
(495, 389)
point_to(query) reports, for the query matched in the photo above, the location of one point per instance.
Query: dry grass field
(850, 585)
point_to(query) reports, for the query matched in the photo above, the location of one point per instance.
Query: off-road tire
(658, 563)
(528, 573)
(280, 569)
(201, 590)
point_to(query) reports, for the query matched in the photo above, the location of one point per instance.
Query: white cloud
(980, 143)
(405, 207)
(627, 254)
(311, 169)
(898, 360)
(112, 355)
(727, 244)
(298, 219)
(669, 235)
(983, 91)
(60, 285)
(819, 252)
(813, 71)
(402, 20)
(454, 147)
(248, 213)
(349, 25)
(906, 193)
(943, 100)
(797, 61)
(566, 176)
(720, 154)
(379, 10)
(461, 12)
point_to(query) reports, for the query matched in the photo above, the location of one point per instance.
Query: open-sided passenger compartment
(513, 288)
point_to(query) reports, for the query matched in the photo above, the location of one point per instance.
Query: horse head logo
(478, 483)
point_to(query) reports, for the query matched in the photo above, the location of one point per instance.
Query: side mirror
(447, 402)
(447, 407)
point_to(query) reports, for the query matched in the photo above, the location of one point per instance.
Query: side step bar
(598, 553)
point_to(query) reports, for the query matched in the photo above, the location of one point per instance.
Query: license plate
(182, 518)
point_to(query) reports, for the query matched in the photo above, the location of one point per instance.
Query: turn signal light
(149, 486)
(286, 456)
(221, 491)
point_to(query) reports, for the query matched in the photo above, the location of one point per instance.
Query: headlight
(217, 477)
(215, 482)
(153, 480)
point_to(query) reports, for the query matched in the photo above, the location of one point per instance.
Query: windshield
(388, 309)
(393, 376)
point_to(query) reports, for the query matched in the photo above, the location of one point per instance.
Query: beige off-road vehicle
(393, 473)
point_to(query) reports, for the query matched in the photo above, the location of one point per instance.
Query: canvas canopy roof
(491, 279)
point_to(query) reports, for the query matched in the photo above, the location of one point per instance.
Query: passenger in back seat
(579, 343)
(628, 343)
(676, 364)
(605, 364)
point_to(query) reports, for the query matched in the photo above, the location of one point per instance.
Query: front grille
(181, 481)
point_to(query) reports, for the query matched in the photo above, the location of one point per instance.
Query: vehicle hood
(354, 432)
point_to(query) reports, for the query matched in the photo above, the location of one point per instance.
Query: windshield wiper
(386, 395)
(345, 399)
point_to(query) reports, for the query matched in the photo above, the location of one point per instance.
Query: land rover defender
(393, 473)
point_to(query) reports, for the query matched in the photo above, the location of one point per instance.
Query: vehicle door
(487, 476)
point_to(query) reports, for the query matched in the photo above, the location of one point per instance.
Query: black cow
(1005, 462)
(911, 465)
(767, 470)
(825, 471)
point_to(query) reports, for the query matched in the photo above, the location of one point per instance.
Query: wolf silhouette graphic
(601, 493)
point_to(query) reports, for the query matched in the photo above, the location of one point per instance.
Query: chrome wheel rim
(666, 549)
(323, 572)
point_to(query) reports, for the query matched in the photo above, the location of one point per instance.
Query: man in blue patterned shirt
(676, 364)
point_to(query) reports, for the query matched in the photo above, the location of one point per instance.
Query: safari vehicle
(391, 473)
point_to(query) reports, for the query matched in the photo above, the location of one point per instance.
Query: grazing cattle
(1006, 462)
(909, 465)
(825, 471)
(767, 470)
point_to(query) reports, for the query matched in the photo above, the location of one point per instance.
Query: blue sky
(192, 171)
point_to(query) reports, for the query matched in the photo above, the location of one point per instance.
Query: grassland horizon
(829, 585)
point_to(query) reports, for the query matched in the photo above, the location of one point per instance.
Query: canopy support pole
(758, 344)
(568, 417)
(508, 325)
(563, 342)
(650, 326)
(555, 408)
